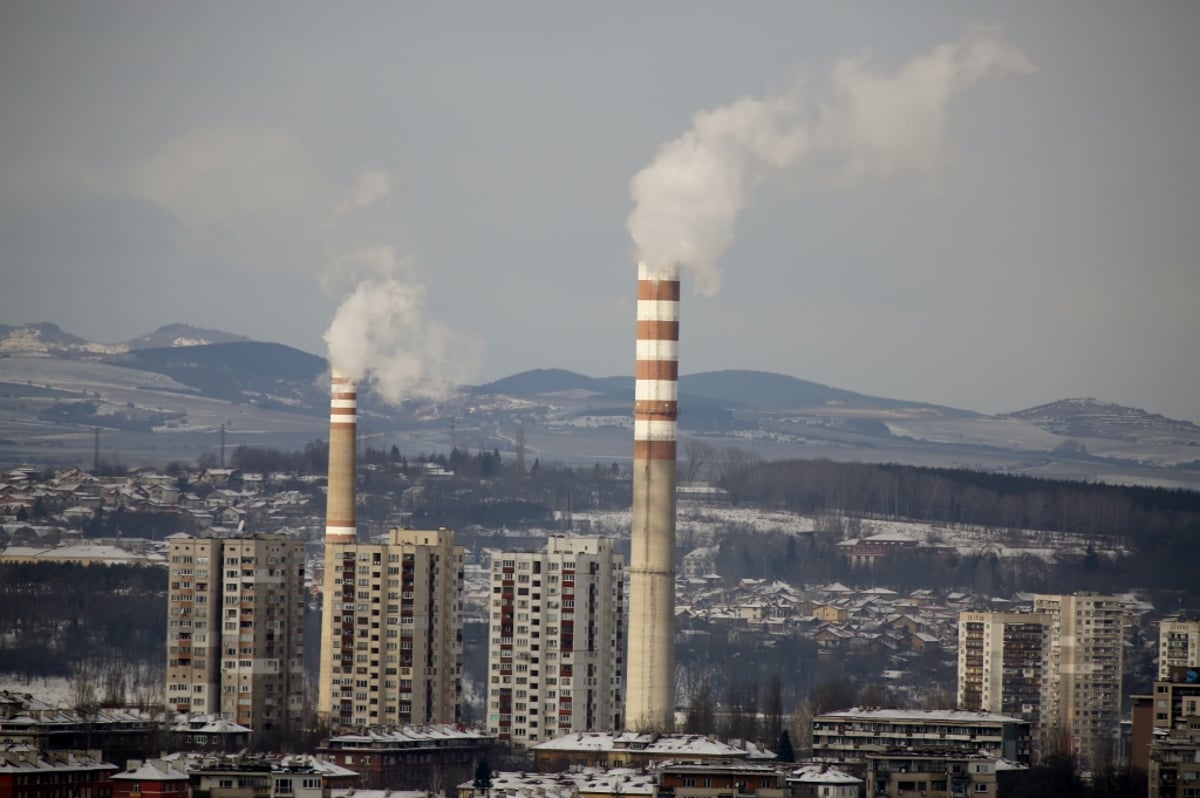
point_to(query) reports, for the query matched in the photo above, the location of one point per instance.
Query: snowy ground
(54, 690)
(705, 525)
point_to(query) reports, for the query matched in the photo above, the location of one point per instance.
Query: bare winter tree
(113, 675)
(773, 710)
(697, 457)
(83, 688)
(701, 711)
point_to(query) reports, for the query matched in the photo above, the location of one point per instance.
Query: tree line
(56, 616)
(959, 496)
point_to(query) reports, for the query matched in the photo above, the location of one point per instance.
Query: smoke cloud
(371, 187)
(382, 333)
(687, 201)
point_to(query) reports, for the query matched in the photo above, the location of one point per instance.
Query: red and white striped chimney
(650, 696)
(341, 525)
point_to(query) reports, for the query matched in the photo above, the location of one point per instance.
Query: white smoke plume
(687, 201)
(371, 187)
(382, 334)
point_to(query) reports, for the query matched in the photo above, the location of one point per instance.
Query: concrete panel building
(556, 644)
(849, 736)
(391, 642)
(1178, 646)
(1081, 683)
(1000, 663)
(235, 629)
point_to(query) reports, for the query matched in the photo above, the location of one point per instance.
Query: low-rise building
(577, 783)
(822, 781)
(411, 756)
(629, 749)
(849, 736)
(152, 778)
(26, 772)
(935, 775)
(719, 780)
(1175, 765)
(267, 777)
(208, 733)
(120, 734)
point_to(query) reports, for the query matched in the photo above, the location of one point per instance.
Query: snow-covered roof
(659, 745)
(821, 774)
(409, 735)
(612, 781)
(918, 715)
(208, 724)
(151, 770)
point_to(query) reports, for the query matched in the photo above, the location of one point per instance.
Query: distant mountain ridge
(182, 388)
(733, 388)
(47, 338)
(238, 371)
(1088, 417)
(175, 335)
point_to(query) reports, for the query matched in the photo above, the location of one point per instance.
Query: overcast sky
(236, 165)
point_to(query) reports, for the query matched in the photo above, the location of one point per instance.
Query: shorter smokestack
(341, 524)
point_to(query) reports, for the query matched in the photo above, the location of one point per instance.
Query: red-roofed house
(154, 778)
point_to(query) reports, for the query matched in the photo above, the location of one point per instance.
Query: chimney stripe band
(657, 311)
(654, 429)
(336, 402)
(658, 330)
(656, 411)
(658, 290)
(657, 370)
(657, 350)
(656, 391)
(343, 422)
(654, 450)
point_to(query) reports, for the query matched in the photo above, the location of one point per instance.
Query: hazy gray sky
(233, 165)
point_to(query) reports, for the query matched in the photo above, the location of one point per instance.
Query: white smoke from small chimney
(382, 334)
(686, 202)
(372, 186)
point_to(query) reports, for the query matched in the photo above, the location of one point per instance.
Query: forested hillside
(1158, 528)
(56, 618)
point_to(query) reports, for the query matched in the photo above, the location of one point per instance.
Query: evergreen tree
(784, 750)
(483, 777)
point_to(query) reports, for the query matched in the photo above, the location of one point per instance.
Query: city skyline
(229, 167)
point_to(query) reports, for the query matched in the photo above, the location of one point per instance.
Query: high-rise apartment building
(391, 641)
(1000, 663)
(555, 653)
(235, 628)
(1178, 646)
(1081, 683)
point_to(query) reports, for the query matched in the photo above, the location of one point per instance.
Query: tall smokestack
(650, 696)
(341, 525)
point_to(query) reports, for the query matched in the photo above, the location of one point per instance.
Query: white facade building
(1081, 681)
(1178, 647)
(391, 643)
(556, 641)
